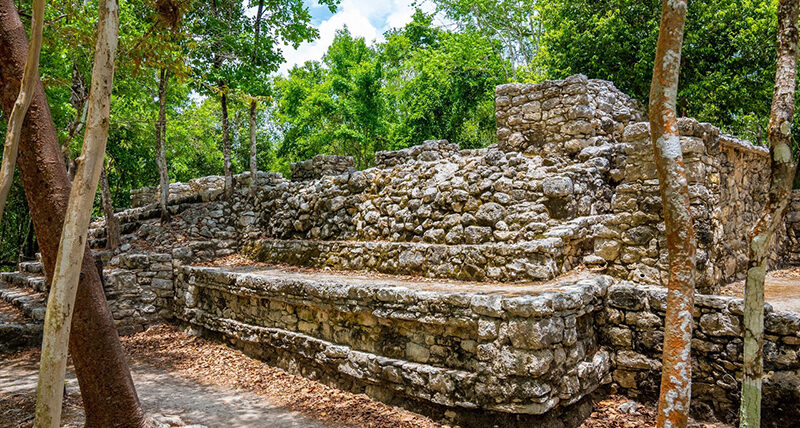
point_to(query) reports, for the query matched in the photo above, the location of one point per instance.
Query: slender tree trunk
(29, 76)
(112, 225)
(61, 299)
(782, 174)
(77, 99)
(253, 160)
(254, 105)
(161, 156)
(109, 398)
(676, 376)
(226, 141)
(27, 249)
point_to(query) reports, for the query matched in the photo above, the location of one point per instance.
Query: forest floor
(185, 380)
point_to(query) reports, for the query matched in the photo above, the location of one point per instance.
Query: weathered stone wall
(434, 347)
(503, 355)
(631, 325)
(791, 243)
(204, 188)
(139, 290)
(543, 201)
(561, 117)
(728, 182)
(320, 166)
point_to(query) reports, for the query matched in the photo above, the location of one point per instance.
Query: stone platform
(471, 352)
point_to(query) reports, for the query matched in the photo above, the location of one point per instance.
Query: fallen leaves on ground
(215, 364)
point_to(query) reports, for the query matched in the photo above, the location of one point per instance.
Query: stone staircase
(23, 295)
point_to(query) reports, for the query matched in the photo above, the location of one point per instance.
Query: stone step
(31, 302)
(31, 267)
(537, 260)
(25, 280)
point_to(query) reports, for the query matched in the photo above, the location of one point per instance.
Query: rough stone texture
(497, 213)
(561, 117)
(320, 166)
(139, 290)
(728, 182)
(631, 327)
(519, 355)
(206, 188)
(571, 181)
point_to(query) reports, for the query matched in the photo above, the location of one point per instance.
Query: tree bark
(676, 375)
(77, 99)
(112, 225)
(782, 173)
(29, 76)
(226, 141)
(253, 160)
(109, 398)
(254, 105)
(61, 299)
(161, 156)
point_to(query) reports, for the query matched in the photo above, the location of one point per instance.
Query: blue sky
(364, 18)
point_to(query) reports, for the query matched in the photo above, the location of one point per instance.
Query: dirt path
(166, 395)
(781, 289)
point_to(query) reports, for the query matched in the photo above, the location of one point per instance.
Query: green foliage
(335, 109)
(421, 83)
(728, 58)
(512, 24)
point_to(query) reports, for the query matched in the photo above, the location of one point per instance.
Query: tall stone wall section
(728, 181)
(584, 119)
(561, 117)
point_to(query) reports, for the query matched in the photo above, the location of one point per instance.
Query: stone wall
(510, 358)
(320, 166)
(523, 355)
(139, 290)
(728, 182)
(203, 188)
(631, 326)
(561, 117)
(571, 181)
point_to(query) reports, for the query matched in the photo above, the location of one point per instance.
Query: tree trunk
(226, 141)
(253, 161)
(29, 77)
(112, 225)
(676, 375)
(782, 174)
(161, 156)
(254, 105)
(77, 99)
(109, 397)
(66, 275)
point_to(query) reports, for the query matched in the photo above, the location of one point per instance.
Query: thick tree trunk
(112, 225)
(161, 156)
(783, 169)
(109, 397)
(29, 77)
(226, 141)
(676, 376)
(61, 299)
(253, 160)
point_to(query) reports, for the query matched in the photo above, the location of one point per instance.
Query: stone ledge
(503, 352)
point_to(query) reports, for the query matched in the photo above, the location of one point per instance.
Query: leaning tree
(782, 173)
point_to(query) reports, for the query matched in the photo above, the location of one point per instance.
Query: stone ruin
(500, 286)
